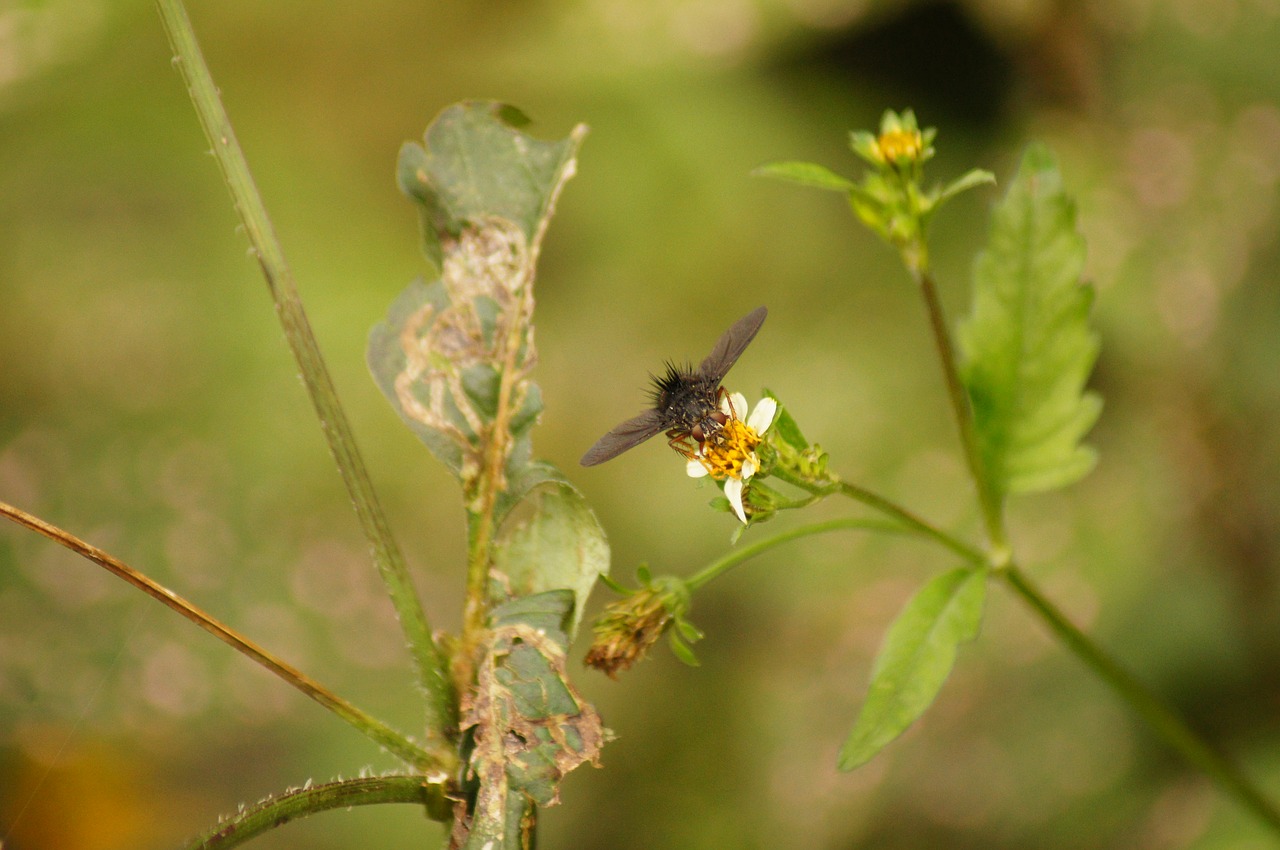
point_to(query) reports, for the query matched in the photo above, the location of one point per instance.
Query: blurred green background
(149, 405)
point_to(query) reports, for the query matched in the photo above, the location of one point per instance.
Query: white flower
(730, 455)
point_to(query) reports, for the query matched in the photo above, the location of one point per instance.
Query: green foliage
(682, 634)
(453, 355)
(915, 660)
(558, 544)
(785, 427)
(889, 199)
(528, 724)
(387, 359)
(475, 164)
(806, 174)
(1027, 346)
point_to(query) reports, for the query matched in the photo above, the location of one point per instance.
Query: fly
(686, 401)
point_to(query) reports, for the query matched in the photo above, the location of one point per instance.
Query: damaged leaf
(529, 726)
(454, 355)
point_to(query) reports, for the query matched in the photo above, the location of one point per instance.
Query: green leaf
(806, 174)
(865, 145)
(558, 543)
(439, 425)
(786, 427)
(476, 163)
(529, 725)
(688, 631)
(453, 356)
(481, 383)
(413, 180)
(682, 651)
(915, 660)
(1027, 348)
(527, 414)
(969, 180)
(874, 205)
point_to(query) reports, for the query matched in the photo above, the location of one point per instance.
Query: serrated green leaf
(1027, 348)
(917, 656)
(806, 174)
(557, 544)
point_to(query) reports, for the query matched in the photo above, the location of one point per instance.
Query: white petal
(735, 404)
(762, 417)
(733, 492)
(695, 469)
(750, 466)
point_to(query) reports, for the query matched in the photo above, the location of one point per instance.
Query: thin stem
(251, 822)
(745, 553)
(476, 605)
(990, 503)
(441, 718)
(388, 738)
(911, 521)
(1167, 725)
(489, 485)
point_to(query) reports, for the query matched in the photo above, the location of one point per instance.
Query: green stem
(1168, 725)
(475, 607)
(746, 553)
(390, 740)
(987, 498)
(441, 720)
(265, 816)
(490, 483)
(889, 508)
(912, 521)
(1162, 719)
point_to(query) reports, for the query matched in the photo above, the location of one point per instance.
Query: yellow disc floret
(725, 454)
(900, 145)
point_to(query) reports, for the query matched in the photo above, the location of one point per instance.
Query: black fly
(686, 401)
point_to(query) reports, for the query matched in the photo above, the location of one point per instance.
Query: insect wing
(628, 435)
(730, 346)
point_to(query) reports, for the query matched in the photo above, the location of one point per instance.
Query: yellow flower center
(898, 145)
(724, 454)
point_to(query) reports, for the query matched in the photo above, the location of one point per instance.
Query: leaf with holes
(529, 726)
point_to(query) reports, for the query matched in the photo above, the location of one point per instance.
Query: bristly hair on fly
(671, 380)
(677, 381)
(686, 401)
